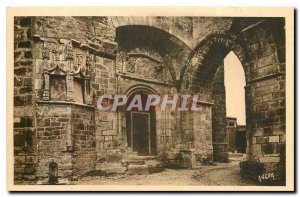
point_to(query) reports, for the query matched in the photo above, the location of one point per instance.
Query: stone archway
(164, 50)
(140, 126)
(199, 56)
(177, 34)
(205, 76)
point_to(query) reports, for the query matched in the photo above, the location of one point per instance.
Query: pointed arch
(222, 43)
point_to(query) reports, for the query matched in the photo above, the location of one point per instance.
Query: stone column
(220, 137)
(70, 89)
(86, 91)
(46, 94)
(248, 120)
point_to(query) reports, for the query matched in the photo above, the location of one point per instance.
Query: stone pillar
(70, 89)
(86, 95)
(219, 131)
(248, 120)
(46, 94)
(202, 128)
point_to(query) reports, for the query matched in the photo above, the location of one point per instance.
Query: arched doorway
(141, 125)
(206, 74)
(235, 103)
(228, 95)
(235, 83)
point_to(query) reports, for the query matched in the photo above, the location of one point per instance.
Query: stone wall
(205, 26)
(63, 128)
(83, 140)
(24, 113)
(110, 142)
(54, 139)
(66, 136)
(203, 135)
(267, 92)
(161, 55)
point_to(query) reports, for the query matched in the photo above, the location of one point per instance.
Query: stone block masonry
(83, 140)
(54, 138)
(62, 64)
(24, 112)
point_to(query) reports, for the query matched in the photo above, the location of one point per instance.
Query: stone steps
(235, 154)
(137, 169)
(154, 166)
(131, 164)
(136, 157)
(142, 164)
(111, 168)
(135, 162)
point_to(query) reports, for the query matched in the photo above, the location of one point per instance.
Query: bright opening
(235, 88)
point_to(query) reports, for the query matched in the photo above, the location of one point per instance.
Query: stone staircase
(141, 164)
(131, 164)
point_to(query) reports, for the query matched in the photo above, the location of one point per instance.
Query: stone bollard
(187, 158)
(53, 173)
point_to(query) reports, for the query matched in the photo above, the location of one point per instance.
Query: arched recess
(121, 21)
(235, 103)
(140, 87)
(162, 51)
(141, 132)
(204, 75)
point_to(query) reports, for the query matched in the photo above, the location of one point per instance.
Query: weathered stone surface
(111, 168)
(269, 159)
(110, 55)
(137, 169)
(273, 139)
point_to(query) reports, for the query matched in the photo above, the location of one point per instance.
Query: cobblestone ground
(219, 174)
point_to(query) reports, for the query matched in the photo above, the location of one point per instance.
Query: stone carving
(79, 59)
(70, 90)
(47, 65)
(89, 61)
(51, 50)
(58, 89)
(51, 88)
(149, 54)
(130, 67)
(62, 66)
(46, 51)
(46, 95)
(69, 54)
(54, 48)
(144, 67)
(121, 61)
(158, 67)
(145, 63)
